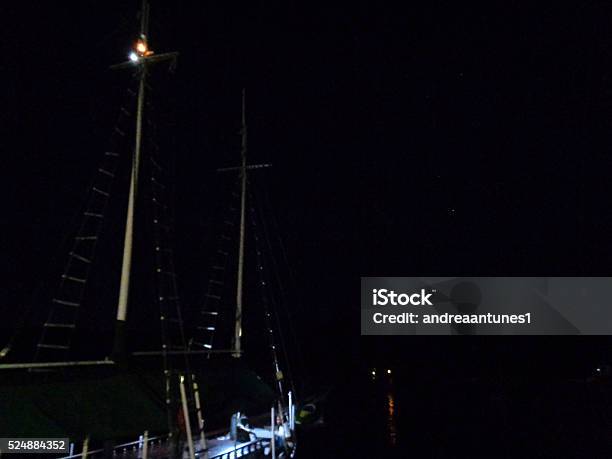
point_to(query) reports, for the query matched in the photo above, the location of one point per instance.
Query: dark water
(400, 415)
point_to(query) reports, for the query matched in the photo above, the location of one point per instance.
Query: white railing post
(272, 439)
(85, 447)
(290, 411)
(186, 417)
(196, 394)
(145, 445)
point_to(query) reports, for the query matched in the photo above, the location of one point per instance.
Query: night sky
(429, 140)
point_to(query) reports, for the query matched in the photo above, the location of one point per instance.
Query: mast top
(141, 53)
(141, 49)
(144, 19)
(244, 108)
(243, 132)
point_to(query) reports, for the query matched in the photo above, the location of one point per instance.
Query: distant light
(598, 370)
(388, 372)
(133, 57)
(373, 372)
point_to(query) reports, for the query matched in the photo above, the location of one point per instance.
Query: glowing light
(598, 370)
(391, 427)
(388, 372)
(134, 57)
(141, 47)
(373, 372)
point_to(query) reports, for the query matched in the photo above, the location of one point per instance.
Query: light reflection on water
(391, 428)
(385, 404)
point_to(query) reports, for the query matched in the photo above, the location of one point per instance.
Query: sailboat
(101, 402)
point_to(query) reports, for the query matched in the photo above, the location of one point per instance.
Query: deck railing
(154, 447)
(242, 450)
(160, 448)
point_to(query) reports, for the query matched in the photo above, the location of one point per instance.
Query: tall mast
(126, 267)
(243, 182)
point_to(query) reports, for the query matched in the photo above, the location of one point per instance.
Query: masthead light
(141, 47)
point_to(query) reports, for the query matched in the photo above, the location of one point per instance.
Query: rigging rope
(166, 286)
(274, 269)
(58, 330)
(266, 207)
(265, 302)
(208, 319)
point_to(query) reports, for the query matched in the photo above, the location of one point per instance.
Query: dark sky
(423, 140)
